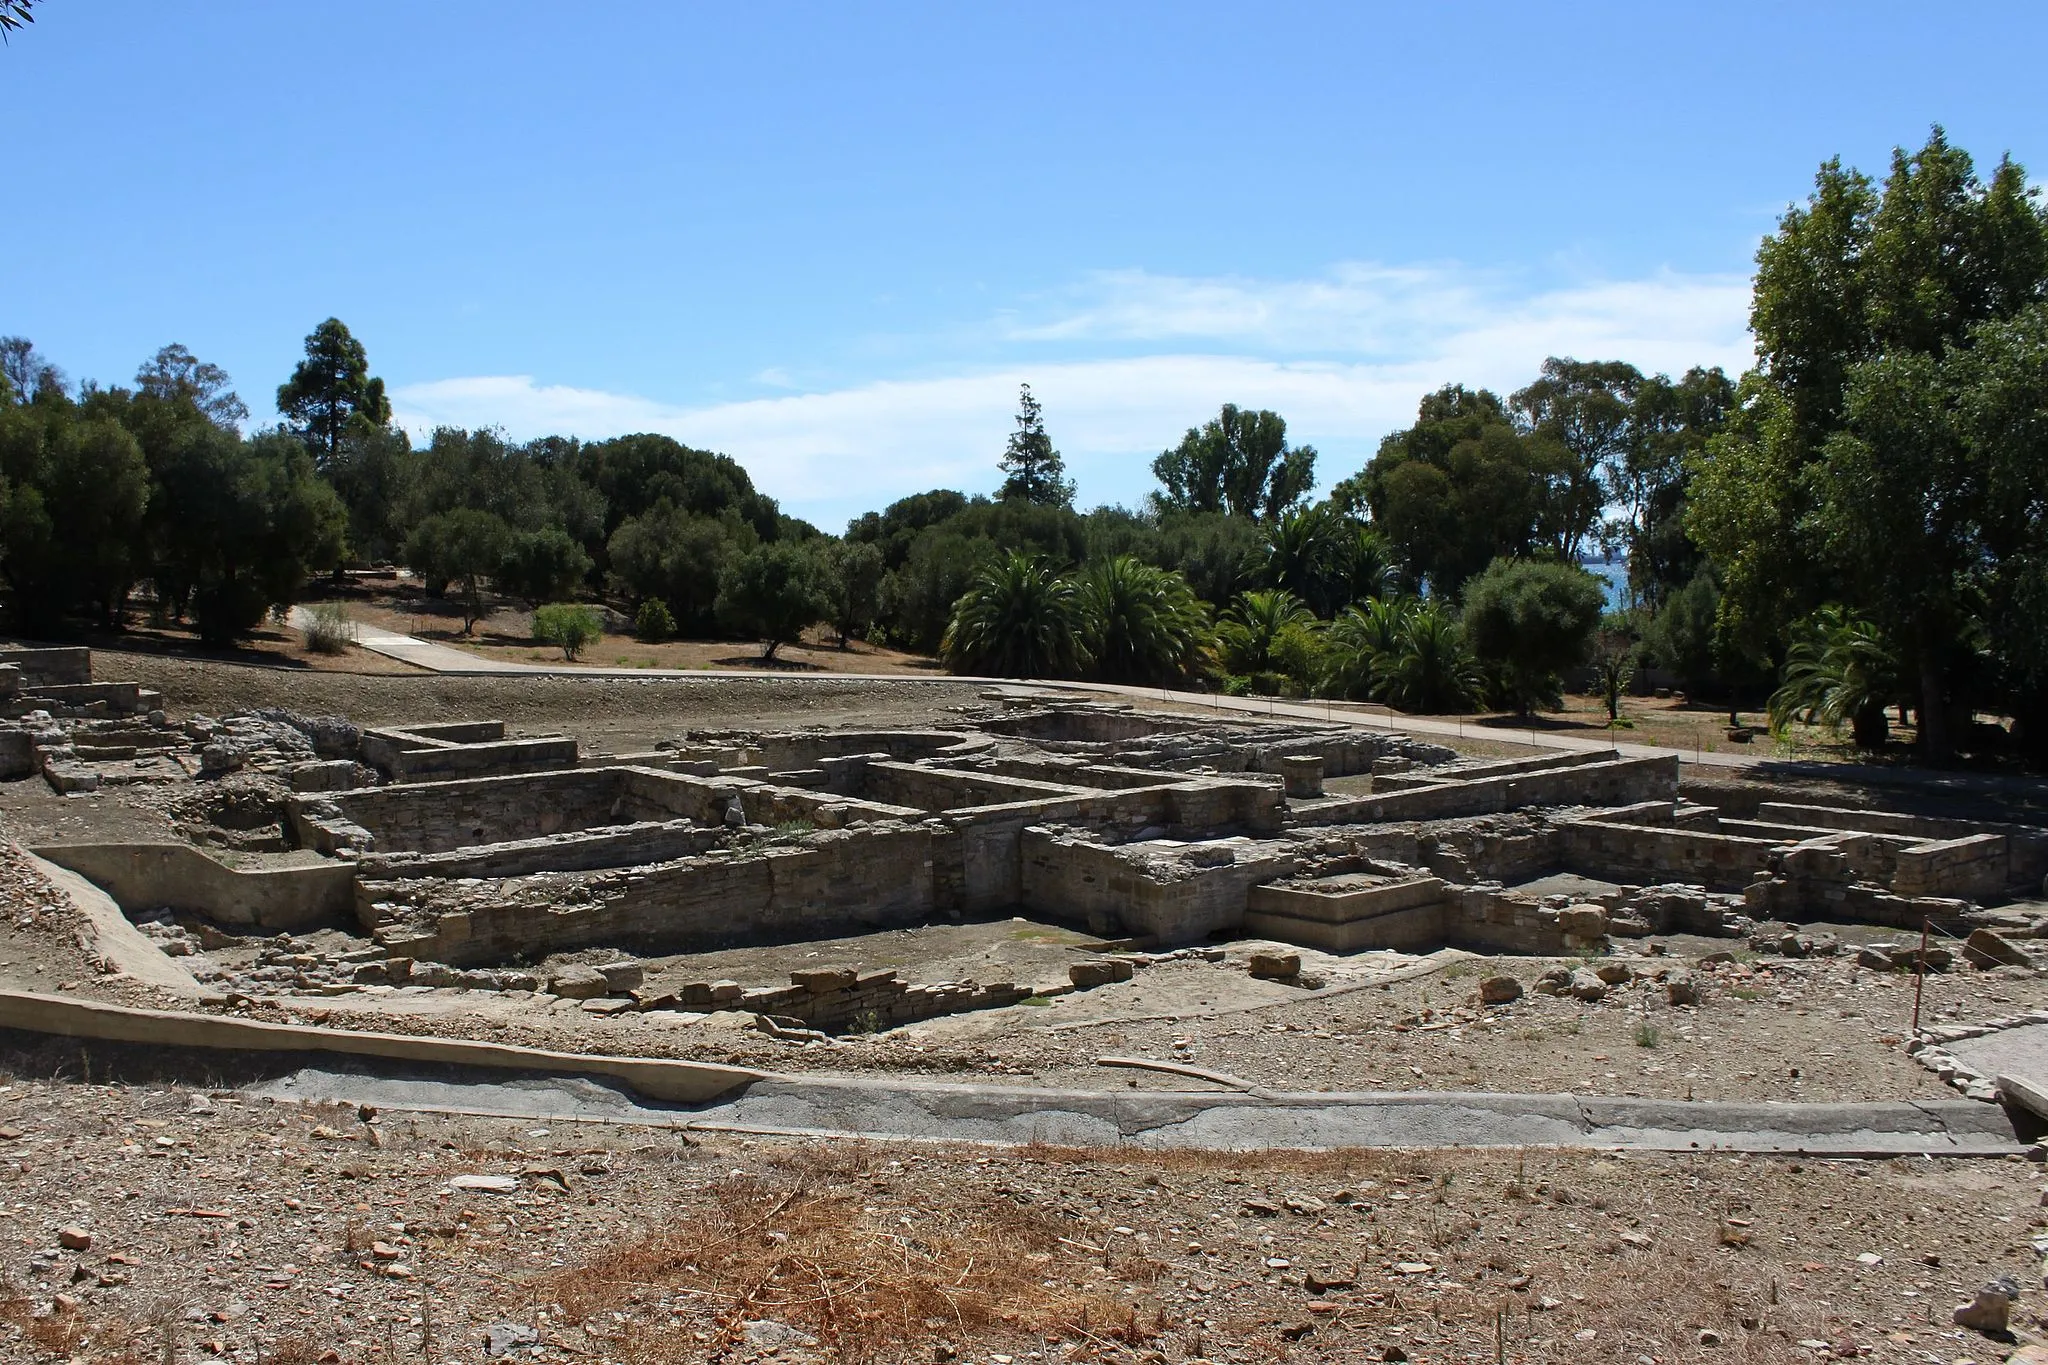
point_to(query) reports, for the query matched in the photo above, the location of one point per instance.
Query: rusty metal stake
(1920, 976)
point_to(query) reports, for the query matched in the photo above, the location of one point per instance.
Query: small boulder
(1499, 990)
(501, 1339)
(1086, 976)
(620, 977)
(1584, 920)
(1614, 972)
(1681, 988)
(1587, 986)
(1991, 1310)
(1988, 948)
(1272, 966)
(579, 983)
(74, 1238)
(1555, 981)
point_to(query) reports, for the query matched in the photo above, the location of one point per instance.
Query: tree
(174, 374)
(1239, 463)
(1032, 470)
(13, 15)
(244, 523)
(1143, 624)
(465, 547)
(1533, 621)
(569, 626)
(853, 581)
(1844, 476)
(1019, 618)
(1306, 552)
(1838, 669)
(1361, 646)
(671, 554)
(1251, 632)
(73, 490)
(1459, 489)
(331, 389)
(28, 374)
(1587, 409)
(544, 564)
(774, 592)
(1430, 669)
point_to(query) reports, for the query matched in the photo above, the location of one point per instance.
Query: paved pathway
(444, 659)
(901, 1109)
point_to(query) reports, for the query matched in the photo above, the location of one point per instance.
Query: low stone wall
(1613, 783)
(807, 749)
(1405, 915)
(839, 1001)
(2026, 847)
(439, 817)
(1976, 866)
(1491, 920)
(1506, 767)
(145, 877)
(581, 851)
(832, 882)
(458, 749)
(1649, 854)
(1141, 893)
(53, 664)
(940, 789)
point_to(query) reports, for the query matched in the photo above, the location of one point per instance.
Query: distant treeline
(1853, 526)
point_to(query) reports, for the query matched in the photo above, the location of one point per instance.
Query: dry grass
(797, 1246)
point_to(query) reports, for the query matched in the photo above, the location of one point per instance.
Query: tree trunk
(1935, 741)
(1868, 727)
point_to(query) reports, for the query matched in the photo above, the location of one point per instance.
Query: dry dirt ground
(149, 1222)
(220, 1228)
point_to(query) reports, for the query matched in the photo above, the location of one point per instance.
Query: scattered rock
(621, 977)
(1991, 1309)
(1614, 973)
(74, 1238)
(1499, 990)
(579, 983)
(1681, 988)
(768, 1332)
(1586, 985)
(1274, 966)
(1555, 981)
(503, 1338)
(485, 1184)
(1988, 948)
(1584, 920)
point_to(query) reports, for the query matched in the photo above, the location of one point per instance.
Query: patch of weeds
(1457, 970)
(1648, 1035)
(1036, 1000)
(1746, 993)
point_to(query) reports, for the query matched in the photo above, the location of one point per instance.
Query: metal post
(1920, 976)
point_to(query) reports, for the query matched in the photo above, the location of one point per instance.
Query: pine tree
(1033, 471)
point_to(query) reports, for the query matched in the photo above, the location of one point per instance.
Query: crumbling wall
(1173, 896)
(146, 877)
(1647, 854)
(1614, 783)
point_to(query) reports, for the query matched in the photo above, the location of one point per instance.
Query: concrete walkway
(897, 1109)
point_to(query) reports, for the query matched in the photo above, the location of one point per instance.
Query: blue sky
(830, 240)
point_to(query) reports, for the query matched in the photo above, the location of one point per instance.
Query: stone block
(726, 992)
(579, 983)
(620, 977)
(820, 980)
(1584, 920)
(1499, 990)
(1271, 966)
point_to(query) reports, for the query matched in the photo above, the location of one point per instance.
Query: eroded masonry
(459, 856)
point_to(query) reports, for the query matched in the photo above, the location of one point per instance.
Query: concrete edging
(672, 1081)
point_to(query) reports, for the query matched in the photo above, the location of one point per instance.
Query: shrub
(329, 630)
(567, 625)
(654, 622)
(1531, 621)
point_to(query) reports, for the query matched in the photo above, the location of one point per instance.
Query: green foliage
(541, 564)
(1614, 668)
(853, 583)
(678, 556)
(1143, 624)
(1251, 632)
(1361, 646)
(463, 547)
(331, 391)
(73, 492)
(1461, 488)
(1307, 552)
(329, 629)
(1019, 618)
(1032, 470)
(773, 592)
(1430, 669)
(1532, 620)
(1839, 669)
(1680, 637)
(653, 622)
(1848, 474)
(569, 626)
(1239, 463)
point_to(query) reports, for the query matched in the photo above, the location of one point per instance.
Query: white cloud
(1344, 358)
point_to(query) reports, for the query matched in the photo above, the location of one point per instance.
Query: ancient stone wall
(1647, 854)
(1167, 897)
(1613, 783)
(146, 877)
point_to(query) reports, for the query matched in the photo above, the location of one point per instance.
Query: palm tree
(1019, 618)
(1144, 624)
(1370, 569)
(1838, 669)
(1252, 628)
(1429, 669)
(1304, 555)
(1358, 641)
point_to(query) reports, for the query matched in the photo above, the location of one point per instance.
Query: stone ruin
(458, 854)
